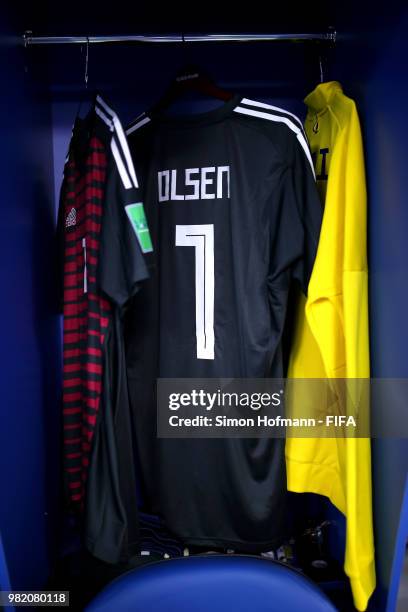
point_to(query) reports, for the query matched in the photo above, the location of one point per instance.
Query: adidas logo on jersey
(71, 218)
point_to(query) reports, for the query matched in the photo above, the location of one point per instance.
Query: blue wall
(29, 432)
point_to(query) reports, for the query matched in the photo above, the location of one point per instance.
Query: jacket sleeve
(359, 559)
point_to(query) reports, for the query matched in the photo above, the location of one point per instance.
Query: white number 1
(201, 237)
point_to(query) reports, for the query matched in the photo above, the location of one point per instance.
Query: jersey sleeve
(309, 209)
(297, 226)
(125, 238)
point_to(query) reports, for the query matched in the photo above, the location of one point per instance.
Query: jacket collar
(322, 95)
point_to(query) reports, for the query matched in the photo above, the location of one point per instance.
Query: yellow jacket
(331, 335)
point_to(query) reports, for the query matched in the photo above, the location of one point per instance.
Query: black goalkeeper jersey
(99, 482)
(234, 216)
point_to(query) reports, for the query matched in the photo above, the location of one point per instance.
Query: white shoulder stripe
(279, 119)
(106, 108)
(121, 136)
(271, 107)
(125, 149)
(138, 125)
(104, 118)
(120, 165)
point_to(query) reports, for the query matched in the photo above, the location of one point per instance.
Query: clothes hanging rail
(29, 39)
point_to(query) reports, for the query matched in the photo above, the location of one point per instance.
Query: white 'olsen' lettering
(163, 195)
(220, 171)
(174, 195)
(205, 183)
(195, 183)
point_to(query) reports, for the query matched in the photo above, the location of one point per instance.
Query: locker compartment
(43, 86)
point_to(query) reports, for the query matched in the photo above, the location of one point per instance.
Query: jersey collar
(188, 120)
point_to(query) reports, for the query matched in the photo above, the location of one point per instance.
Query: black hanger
(84, 97)
(321, 69)
(189, 79)
(325, 60)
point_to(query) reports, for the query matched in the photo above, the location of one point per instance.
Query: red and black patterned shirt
(98, 150)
